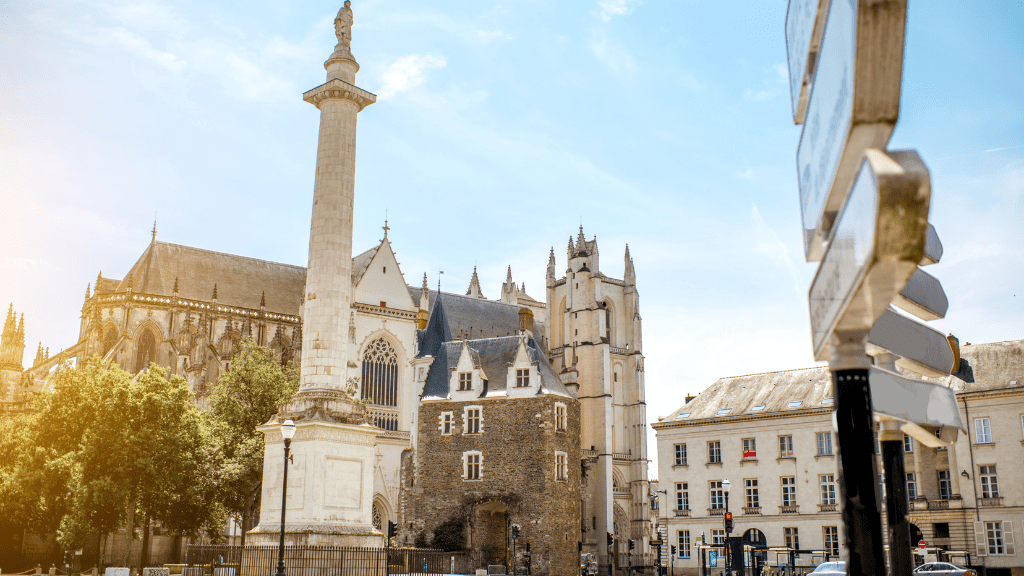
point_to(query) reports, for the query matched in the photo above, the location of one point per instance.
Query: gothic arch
(617, 384)
(622, 527)
(381, 513)
(382, 359)
(109, 336)
(558, 326)
(617, 479)
(610, 327)
(145, 340)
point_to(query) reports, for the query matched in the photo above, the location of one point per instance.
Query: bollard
(39, 569)
(53, 570)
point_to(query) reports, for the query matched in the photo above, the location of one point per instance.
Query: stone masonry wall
(518, 443)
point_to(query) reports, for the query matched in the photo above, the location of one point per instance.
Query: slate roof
(494, 356)
(983, 367)
(464, 317)
(240, 280)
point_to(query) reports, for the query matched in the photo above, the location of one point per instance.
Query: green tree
(245, 397)
(105, 449)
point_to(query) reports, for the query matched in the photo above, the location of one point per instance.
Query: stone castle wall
(518, 443)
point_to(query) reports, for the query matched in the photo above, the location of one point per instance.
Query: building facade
(771, 435)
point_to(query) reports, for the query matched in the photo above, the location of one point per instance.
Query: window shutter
(1008, 537)
(980, 539)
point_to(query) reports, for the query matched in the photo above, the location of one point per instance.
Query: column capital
(339, 89)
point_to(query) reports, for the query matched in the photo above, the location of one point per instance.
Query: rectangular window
(680, 454)
(785, 446)
(908, 443)
(682, 496)
(717, 495)
(472, 418)
(561, 420)
(989, 485)
(561, 466)
(828, 488)
(911, 485)
(945, 488)
(982, 431)
(472, 463)
(446, 423)
(522, 378)
(824, 443)
(717, 536)
(465, 380)
(789, 490)
(753, 499)
(994, 535)
(683, 538)
(831, 538)
(792, 537)
(714, 452)
(749, 448)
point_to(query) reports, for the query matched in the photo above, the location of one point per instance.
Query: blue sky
(499, 128)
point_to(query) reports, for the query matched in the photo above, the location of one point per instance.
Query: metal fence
(323, 561)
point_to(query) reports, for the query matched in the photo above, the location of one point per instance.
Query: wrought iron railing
(383, 418)
(318, 560)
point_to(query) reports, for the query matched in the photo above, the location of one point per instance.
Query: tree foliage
(245, 397)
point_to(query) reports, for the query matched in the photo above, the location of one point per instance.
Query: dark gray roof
(494, 356)
(464, 317)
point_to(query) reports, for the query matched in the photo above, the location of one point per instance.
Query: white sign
(932, 247)
(805, 22)
(923, 297)
(923, 349)
(878, 241)
(913, 400)
(854, 105)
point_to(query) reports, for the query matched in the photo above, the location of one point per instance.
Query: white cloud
(610, 51)
(406, 73)
(767, 242)
(488, 35)
(140, 47)
(608, 9)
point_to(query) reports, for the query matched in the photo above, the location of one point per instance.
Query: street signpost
(914, 401)
(878, 242)
(923, 297)
(923, 350)
(853, 105)
(805, 23)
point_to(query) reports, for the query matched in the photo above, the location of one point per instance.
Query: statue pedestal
(330, 478)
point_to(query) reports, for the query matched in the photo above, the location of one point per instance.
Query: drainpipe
(970, 448)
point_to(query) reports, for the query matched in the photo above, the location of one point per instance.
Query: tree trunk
(247, 510)
(129, 532)
(144, 558)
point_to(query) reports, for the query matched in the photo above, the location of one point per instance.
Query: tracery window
(375, 516)
(380, 373)
(145, 350)
(109, 339)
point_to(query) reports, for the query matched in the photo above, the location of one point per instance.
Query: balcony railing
(993, 501)
(383, 418)
(938, 504)
(682, 512)
(794, 509)
(716, 511)
(752, 510)
(827, 507)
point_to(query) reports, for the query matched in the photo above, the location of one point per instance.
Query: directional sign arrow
(878, 243)
(854, 104)
(932, 247)
(916, 401)
(923, 297)
(805, 23)
(923, 349)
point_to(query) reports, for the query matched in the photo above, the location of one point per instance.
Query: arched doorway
(490, 532)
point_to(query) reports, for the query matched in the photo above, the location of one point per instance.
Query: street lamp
(660, 524)
(287, 432)
(726, 486)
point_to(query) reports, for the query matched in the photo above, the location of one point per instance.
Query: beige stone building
(771, 435)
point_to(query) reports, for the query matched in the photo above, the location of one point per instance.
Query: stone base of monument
(330, 475)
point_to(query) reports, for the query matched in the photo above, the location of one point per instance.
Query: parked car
(830, 569)
(944, 569)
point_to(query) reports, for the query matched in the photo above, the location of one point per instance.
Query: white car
(830, 569)
(943, 569)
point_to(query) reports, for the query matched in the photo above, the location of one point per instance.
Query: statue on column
(343, 27)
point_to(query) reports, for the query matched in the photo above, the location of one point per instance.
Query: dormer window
(522, 378)
(465, 380)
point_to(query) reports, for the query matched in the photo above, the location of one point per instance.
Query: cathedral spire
(629, 276)
(88, 289)
(39, 355)
(474, 286)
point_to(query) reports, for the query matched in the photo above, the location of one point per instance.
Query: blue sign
(713, 558)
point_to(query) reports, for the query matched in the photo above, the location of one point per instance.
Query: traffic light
(527, 547)
(392, 529)
(631, 544)
(728, 522)
(515, 531)
(579, 546)
(673, 549)
(611, 541)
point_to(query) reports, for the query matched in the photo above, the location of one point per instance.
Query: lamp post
(287, 432)
(726, 486)
(660, 524)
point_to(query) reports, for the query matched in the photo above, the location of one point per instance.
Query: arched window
(375, 517)
(380, 373)
(109, 339)
(145, 350)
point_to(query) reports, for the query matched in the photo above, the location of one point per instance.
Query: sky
(500, 128)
